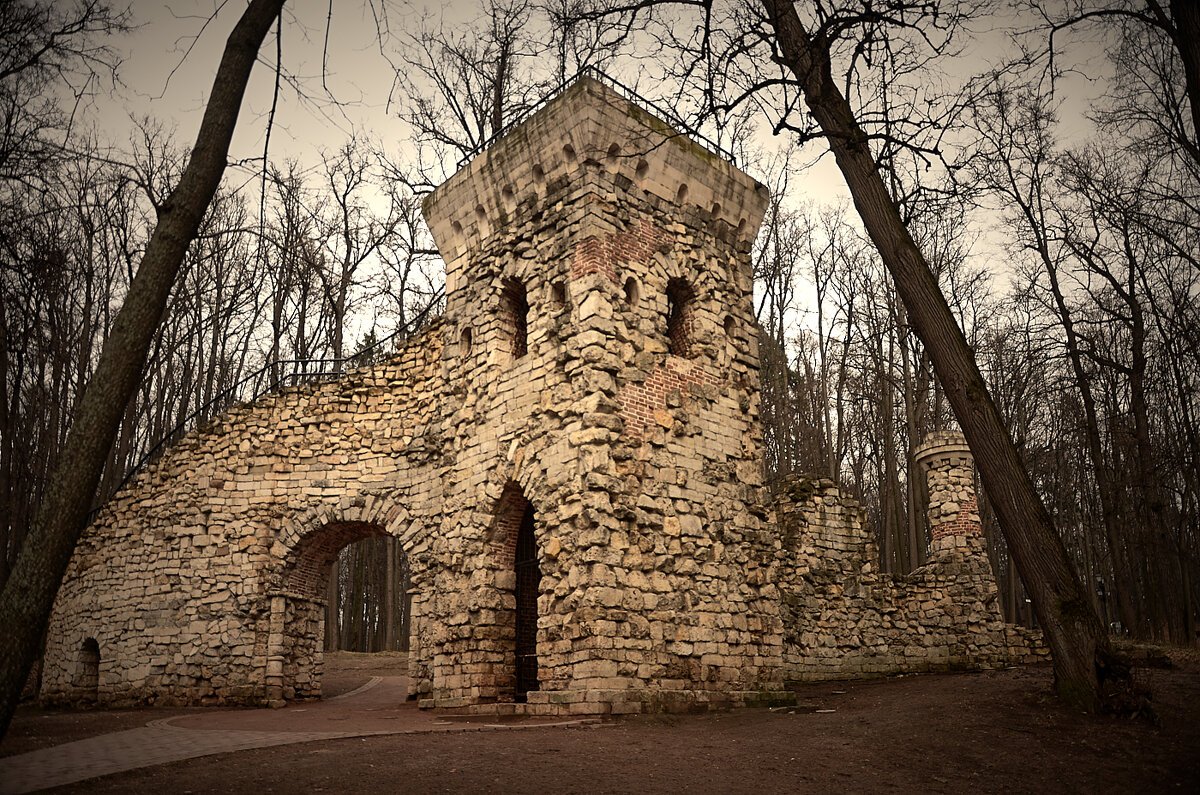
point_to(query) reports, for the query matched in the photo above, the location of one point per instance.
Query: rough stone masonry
(570, 459)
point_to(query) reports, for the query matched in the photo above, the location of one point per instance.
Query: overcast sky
(172, 57)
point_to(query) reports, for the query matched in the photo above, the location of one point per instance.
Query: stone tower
(602, 462)
(953, 510)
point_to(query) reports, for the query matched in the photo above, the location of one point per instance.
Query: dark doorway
(87, 677)
(529, 578)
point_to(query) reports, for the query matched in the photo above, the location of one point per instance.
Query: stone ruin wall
(844, 618)
(197, 580)
(562, 380)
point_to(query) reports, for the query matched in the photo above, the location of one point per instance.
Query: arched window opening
(632, 291)
(464, 343)
(681, 194)
(680, 317)
(569, 153)
(643, 168)
(730, 326)
(87, 674)
(514, 315)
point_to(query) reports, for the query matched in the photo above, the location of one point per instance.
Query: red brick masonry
(600, 254)
(961, 525)
(640, 401)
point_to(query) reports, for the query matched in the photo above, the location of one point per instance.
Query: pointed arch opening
(514, 537)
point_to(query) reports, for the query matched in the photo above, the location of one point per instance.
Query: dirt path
(987, 732)
(377, 708)
(34, 729)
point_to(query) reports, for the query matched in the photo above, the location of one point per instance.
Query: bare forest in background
(1071, 262)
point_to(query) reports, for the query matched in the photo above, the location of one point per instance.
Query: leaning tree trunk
(28, 596)
(1186, 36)
(332, 606)
(389, 594)
(1083, 659)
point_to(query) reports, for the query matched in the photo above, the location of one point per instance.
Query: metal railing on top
(272, 377)
(664, 113)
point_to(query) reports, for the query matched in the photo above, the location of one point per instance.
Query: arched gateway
(570, 460)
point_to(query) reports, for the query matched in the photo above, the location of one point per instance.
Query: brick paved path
(375, 708)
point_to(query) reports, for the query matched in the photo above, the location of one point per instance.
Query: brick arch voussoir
(497, 502)
(353, 516)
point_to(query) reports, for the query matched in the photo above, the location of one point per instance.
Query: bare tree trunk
(1125, 589)
(913, 412)
(891, 506)
(1011, 596)
(28, 596)
(1083, 659)
(332, 598)
(1189, 617)
(359, 601)
(389, 595)
(7, 514)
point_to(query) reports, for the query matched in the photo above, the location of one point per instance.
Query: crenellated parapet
(588, 139)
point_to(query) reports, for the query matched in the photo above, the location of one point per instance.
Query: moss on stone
(670, 133)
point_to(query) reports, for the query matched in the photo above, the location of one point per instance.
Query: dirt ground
(999, 731)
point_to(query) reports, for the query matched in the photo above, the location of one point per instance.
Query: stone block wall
(202, 582)
(843, 618)
(641, 465)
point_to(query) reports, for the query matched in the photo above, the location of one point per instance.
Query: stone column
(275, 651)
(953, 508)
